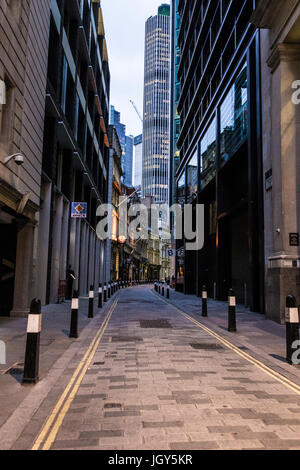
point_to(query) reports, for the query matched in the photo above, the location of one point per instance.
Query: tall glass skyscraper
(155, 181)
(127, 164)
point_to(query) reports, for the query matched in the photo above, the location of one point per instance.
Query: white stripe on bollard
(292, 315)
(34, 324)
(75, 304)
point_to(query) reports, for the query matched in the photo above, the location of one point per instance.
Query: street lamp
(17, 157)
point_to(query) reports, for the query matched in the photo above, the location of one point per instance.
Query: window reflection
(181, 190)
(234, 117)
(192, 178)
(208, 155)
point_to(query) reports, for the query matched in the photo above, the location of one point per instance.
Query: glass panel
(181, 190)
(208, 155)
(234, 117)
(192, 178)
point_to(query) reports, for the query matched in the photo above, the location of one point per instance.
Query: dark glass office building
(220, 148)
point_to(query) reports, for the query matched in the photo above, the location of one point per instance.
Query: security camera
(17, 157)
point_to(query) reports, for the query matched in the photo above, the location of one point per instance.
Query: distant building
(112, 258)
(127, 162)
(126, 145)
(155, 180)
(115, 120)
(138, 161)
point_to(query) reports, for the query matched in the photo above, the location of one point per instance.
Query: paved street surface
(144, 375)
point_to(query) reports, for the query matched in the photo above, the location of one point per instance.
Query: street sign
(79, 210)
(294, 239)
(171, 253)
(180, 252)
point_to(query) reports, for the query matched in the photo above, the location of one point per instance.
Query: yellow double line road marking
(55, 420)
(272, 373)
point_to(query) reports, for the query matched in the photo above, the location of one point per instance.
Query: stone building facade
(280, 74)
(24, 32)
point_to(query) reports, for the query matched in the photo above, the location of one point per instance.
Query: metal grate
(112, 405)
(125, 339)
(155, 324)
(207, 346)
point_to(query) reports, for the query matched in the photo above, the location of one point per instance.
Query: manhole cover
(125, 339)
(155, 324)
(206, 346)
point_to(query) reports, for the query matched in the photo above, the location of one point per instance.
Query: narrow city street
(148, 376)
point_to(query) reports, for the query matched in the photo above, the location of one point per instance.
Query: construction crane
(137, 111)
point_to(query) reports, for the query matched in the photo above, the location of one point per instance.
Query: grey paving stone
(202, 445)
(163, 424)
(120, 414)
(100, 434)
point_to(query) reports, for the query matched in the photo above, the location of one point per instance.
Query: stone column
(91, 258)
(43, 242)
(23, 276)
(76, 262)
(83, 255)
(56, 247)
(64, 241)
(283, 265)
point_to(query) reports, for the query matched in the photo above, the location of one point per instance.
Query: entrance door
(8, 248)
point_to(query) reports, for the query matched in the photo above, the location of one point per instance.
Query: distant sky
(124, 22)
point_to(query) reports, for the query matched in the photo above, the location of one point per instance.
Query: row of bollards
(231, 308)
(34, 324)
(162, 288)
(292, 321)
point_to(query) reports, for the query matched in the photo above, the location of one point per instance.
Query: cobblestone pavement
(155, 380)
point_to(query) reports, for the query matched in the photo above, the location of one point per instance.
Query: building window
(208, 155)
(192, 178)
(234, 120)
(181, 190)
(6, 111)
(64, 84)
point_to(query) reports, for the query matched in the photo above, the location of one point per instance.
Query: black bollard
(168, 291)
(91, 302)
(32, 354)
(292, 327)
(74, 316)
(159, 288)
(105, 292)
(100, 298)
(163, 289)
(109, 290)
(204, 301)
(231, 311)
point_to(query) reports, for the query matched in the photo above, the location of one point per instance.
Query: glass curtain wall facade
(220, 149)
(175, 93)
(155, 181)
